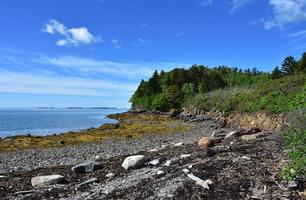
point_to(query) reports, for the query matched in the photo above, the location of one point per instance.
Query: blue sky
(95, 52)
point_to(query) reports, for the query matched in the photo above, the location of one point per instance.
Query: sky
(63, 53)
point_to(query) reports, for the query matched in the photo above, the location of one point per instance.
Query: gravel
(71, 155)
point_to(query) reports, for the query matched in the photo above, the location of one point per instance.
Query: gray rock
(41, 181)
(87, 167)
(133, 162)
(160, 172)
(154, 162)
(249, 137)
(110, 175)
(292, 184)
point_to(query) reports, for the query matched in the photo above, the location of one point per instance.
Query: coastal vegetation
(232, 90)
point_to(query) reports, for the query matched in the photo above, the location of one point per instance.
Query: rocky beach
(193, 157)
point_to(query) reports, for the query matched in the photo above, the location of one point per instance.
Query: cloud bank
(286, 12)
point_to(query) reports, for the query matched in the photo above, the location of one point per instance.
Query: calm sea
(49, 121)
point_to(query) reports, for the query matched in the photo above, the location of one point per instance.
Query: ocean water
(49, 121)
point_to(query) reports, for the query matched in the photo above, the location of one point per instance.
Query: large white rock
(133, 162)
(41, 181)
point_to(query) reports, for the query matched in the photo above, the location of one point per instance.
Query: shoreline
(158, 131)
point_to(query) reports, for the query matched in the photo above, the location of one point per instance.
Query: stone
(205, 142)
(87, 167)
(183, 156)
(153, 150)
(154, 162)
(160, 172)
(231, 135)
(179, 144)
(168, 163)
(199, 181)
(42, 181)
(61, 142)
(110, 175)
(98, 157)
(249, 137)
(133, 162)
(292, 184)
(89, 181)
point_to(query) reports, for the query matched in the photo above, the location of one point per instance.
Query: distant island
(91, 108)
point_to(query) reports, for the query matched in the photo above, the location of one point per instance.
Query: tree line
(166, 90)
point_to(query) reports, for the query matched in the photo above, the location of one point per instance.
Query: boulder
(205, 142)
(42, 181)
(87, 167)
(133, 162)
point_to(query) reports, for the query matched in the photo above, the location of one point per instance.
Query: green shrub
(295, 143)
(288, 85)
(274, 102)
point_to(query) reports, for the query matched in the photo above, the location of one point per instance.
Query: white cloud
(72, 36)
(16, 82)
(286, 12)
(101, 66)
(239, 3)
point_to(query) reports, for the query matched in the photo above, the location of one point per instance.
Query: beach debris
(154, 162)
(199, 181)
(24, 192)
(168, 163)
(249, 137)
(87, 167)
(183, 156)
(205, 142)
(41, 181)
(292, 184)
(231, 134)
(179, 144)
(110, 175)
(160, 172)
(98, 157)
(89, 181)
(133, 162)
(61, 142)
(153, 150)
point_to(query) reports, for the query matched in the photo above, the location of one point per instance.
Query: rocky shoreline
(239, 165)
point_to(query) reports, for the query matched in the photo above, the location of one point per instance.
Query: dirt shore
(239, 168)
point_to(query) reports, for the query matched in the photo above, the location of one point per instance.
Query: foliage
(173, 89)
(295, 142)
(216, 88)
(274, 102)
